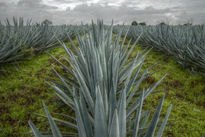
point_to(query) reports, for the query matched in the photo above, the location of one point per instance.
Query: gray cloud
(28, 9)
(124, 11)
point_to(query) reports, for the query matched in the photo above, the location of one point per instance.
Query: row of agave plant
(185, 43)
(103, 89)
(19, 38)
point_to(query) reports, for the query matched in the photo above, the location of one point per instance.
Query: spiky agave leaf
(55, 131)
(104, 96)
(34, 129)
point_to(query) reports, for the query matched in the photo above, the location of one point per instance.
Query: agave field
(184, 43)
(101, 80)
(19, 38)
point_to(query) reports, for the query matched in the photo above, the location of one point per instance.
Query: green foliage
(162, 23)
(134, 23)
(47, 22)
(142, 23)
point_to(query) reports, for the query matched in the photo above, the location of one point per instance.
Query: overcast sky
(121, 11)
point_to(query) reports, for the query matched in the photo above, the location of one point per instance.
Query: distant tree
(188, 24)
(37, 24)
(162, 23)
(142, 23)
(47, 22)
(134, 23)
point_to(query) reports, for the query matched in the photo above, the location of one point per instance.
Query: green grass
(22, 92)
(185, 91)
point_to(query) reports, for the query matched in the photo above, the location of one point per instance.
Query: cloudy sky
(121, 11)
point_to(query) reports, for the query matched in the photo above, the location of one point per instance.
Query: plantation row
(185, 43)
(19, 39)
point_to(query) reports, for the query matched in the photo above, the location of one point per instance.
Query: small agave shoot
(106, 99)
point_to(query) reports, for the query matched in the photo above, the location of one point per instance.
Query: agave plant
(106, 97)
(10, 45)
(18, 39)
(184, 43)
